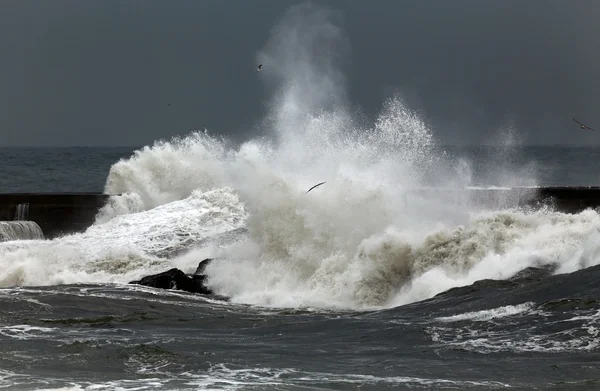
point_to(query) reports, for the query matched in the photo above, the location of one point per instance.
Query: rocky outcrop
(178, 280)
(202, 266)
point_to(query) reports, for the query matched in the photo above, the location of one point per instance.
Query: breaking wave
(351, 243)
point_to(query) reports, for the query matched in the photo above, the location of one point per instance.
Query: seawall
(566, 199)
(56, 213)
(65, 213)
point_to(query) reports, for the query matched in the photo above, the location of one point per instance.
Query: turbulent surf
(349, 283)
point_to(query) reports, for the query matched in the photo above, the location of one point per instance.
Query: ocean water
(50, 170)
(85, 169)
(342, 288)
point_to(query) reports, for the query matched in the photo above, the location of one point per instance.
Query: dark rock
(176, 279)
(202, 266)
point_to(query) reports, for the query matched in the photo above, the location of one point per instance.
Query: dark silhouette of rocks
(177, 280)
(202, 266)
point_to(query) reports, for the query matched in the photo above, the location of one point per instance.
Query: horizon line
(150, 145)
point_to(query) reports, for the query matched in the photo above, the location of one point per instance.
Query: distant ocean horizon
(86, 168)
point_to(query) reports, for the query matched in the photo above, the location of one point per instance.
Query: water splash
(20, 230)
(351, 243)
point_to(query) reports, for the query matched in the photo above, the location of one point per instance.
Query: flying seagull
(259, 68)
(582, 125)
(317, 185)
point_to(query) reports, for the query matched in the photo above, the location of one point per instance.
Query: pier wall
(566, 199)
(65, 213)
(55, 213)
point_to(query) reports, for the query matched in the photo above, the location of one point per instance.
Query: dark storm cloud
(104, 72)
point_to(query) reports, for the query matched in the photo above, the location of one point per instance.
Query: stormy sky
(93, 73)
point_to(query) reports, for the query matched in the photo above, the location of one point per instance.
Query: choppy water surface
(532, 332)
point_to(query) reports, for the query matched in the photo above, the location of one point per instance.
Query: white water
(15, 230)
(351, 243)
(123, 248)
(487, 315)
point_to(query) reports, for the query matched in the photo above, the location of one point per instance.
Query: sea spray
(351, 243)
(168, 171)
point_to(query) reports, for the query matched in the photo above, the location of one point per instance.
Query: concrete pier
(56, 213)
(566, 199)
(65, 213)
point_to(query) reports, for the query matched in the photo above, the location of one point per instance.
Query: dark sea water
(340, 291)
(39, 170)
(530, 333)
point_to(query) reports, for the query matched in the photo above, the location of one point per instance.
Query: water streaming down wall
(56, 214)
(20, 230)
(22, 212)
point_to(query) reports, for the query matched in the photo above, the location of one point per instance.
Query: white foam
(549, 336)
(352, 243)
(396, 266)
(123, 248)
(498, 245)
(498, 342)
(25, 332)
(487, 315)
(222, 376)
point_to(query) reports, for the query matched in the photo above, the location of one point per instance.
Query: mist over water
(352, 242)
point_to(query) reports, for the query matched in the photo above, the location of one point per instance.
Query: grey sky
(103, 72)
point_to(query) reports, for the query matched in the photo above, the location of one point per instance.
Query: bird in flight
(259, 68)
(582, 125)
(317, 185)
